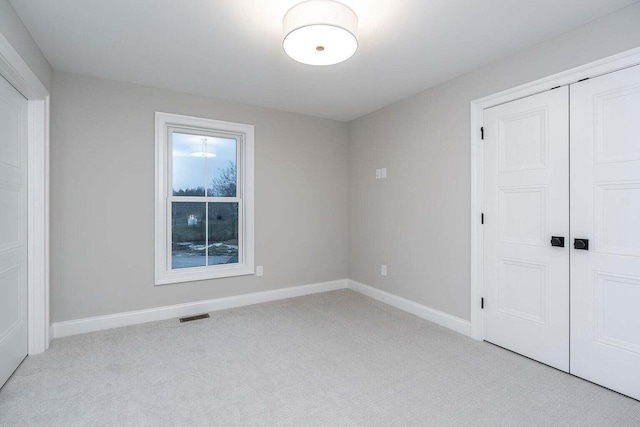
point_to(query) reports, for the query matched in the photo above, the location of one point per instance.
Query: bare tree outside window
(224, 184)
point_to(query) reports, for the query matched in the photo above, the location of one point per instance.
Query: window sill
(205, 273)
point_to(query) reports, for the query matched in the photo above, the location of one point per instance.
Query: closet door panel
(605, 209)
(526, 202)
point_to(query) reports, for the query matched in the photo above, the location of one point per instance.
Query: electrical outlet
(383, 173)
(259, 270)
(383, 270)
(378, 173)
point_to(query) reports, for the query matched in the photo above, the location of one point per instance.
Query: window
(204, 199)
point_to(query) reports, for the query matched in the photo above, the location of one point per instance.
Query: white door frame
(593, 69)
(16, 71)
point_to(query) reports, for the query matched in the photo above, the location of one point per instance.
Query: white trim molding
(117, 320)
(454, 323)
(604, 66)
(100, 323)
(18, 73)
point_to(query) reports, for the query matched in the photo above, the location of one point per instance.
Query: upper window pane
(203, 165)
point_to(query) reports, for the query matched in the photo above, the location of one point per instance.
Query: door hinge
(482, 132)
(482, 303)
(482, 218)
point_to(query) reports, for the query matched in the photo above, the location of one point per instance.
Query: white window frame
(244, 133)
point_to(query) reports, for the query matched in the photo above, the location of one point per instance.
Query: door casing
(18, 73)
(604, 66)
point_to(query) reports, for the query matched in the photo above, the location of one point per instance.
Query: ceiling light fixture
(320, 32)
(204, 150)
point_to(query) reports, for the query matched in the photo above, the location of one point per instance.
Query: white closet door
(605, 208)
(526, 202)
(13, 229)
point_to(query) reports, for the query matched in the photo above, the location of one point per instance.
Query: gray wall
(417, 220)
(17, 34)
(102, 198)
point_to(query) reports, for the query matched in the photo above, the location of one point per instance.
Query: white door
(13, 229)
(526, 202)
(605, 209)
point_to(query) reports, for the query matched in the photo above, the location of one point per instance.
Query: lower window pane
(188, 235)
(223, 233)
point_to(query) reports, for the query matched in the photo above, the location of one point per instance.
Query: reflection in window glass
(203, 162)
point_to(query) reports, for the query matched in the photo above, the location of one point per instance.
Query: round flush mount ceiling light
(320, 32)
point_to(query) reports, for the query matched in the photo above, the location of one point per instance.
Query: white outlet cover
(378, 173)
(383, 173)
(259, 270)
(383, 270)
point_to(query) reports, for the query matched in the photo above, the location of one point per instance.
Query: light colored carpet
(337, 358)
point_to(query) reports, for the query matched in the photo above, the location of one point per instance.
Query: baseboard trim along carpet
(109, 321)
(100, 323)
(443, 319)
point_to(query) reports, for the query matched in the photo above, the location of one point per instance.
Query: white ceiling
(231, 49)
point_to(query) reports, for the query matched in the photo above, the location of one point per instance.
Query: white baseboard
(100, 323)
(443, 319)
